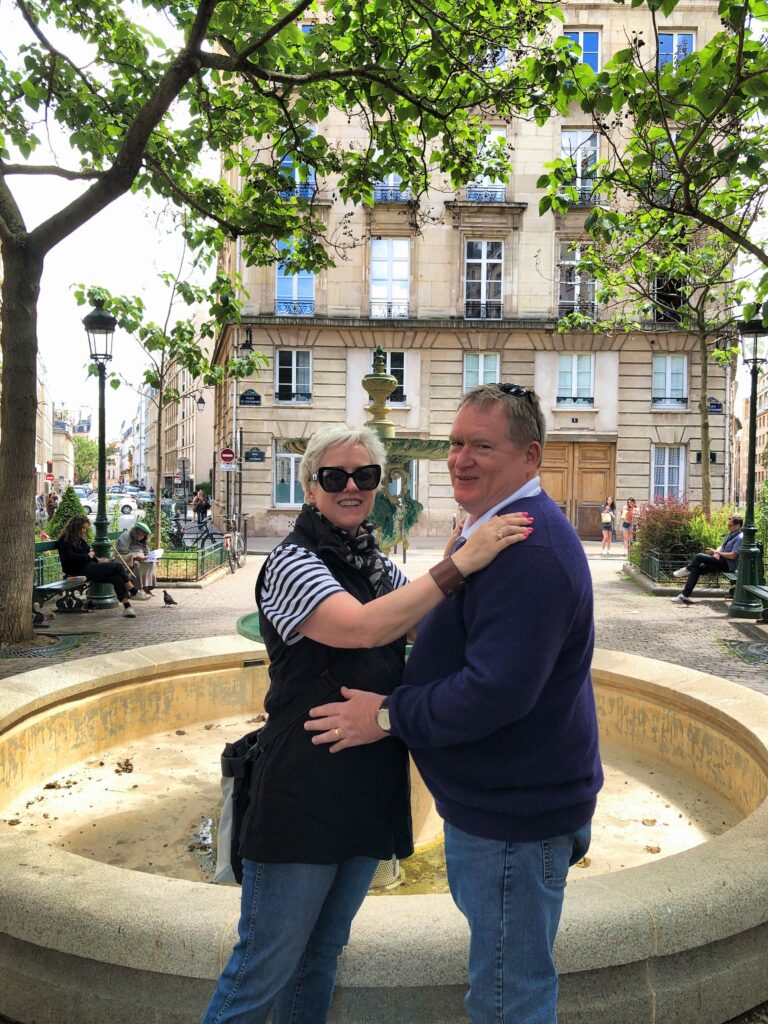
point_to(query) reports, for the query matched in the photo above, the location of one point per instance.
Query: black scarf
(360, 551)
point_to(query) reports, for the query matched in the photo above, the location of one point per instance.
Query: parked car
(144, 498)
(83, 490)
(126, 502)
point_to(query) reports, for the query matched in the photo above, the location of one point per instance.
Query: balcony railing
(389, 310)
(575, 400)
(302, 190)
(483, 310)
(584, 307)
(391, 194)
(585, 194)
(294, 307)
(486, 193)
(670, 402)
(286, 395)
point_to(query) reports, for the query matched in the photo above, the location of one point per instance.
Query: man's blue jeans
(512, 895)
(294, 923)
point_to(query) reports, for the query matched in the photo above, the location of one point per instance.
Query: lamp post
(100, 328)
(754, 349)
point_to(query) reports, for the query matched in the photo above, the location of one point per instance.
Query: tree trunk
(159, 464)
(22, 271)
(706, 471)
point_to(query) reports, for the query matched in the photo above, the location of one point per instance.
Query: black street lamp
(754, 349)
(100, 328)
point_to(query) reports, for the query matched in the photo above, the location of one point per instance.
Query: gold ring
(338, 734)
(500, 534)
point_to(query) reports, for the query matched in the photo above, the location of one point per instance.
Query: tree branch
(292, 15)
(59, 172)
(35, 29)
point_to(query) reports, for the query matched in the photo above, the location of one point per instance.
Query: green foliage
(665, 526)
(69, 505)
(148, 515)
(709, 533)
(114, 514)
(761, 516)
(86, 458)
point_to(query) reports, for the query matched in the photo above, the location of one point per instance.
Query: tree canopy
(141, 91)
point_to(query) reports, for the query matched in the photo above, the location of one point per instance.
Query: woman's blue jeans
(294, 923)
(512, 895)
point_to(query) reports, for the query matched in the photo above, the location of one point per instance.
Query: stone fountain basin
(683, 939)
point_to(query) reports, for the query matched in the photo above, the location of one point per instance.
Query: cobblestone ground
(627, 619)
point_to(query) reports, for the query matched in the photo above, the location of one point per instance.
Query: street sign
(250, 397)
(714, 406)
(183, 464)
(255, 454)
(227, 455)
(229, 467)
(49, 478)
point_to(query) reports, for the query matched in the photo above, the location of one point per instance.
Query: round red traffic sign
(50, 477)
(227, 455)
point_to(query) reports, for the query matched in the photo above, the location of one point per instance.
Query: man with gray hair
(497, 707)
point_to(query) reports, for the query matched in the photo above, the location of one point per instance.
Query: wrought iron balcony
(586, 195)
(389, 310)
(575, 401)
(391, 194)
(671, 402)
(584, 307)
(286, 395)
(486, 193)
(301, 190)
(483, 310)
(294, 307)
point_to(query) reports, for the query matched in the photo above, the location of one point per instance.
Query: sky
(123, 249)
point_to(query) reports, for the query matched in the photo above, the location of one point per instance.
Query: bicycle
(234, 542)
(186, 542)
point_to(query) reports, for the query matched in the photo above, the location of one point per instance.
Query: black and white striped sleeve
(396, 574)
(296, 582)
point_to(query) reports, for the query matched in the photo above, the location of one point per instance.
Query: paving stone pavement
(627, 619)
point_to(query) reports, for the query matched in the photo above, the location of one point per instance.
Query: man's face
(484, 465)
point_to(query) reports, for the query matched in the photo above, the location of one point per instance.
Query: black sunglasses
(333, 480)
(516, 390)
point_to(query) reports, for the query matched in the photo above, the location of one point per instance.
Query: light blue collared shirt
(528, 490)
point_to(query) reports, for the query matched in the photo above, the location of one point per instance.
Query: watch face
(382, 719)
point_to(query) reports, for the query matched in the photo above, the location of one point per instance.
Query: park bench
(761, 593)
(69, 592)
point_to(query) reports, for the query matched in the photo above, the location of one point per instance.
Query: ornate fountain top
(380, 386)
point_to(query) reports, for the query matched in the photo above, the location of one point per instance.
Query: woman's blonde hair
(329, 437)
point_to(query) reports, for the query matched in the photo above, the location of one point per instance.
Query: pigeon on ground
(168, 600)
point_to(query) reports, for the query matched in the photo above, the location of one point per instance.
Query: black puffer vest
(307, 805)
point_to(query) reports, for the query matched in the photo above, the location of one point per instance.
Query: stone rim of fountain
(643, 922)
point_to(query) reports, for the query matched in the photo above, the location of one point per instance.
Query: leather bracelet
(447, 576)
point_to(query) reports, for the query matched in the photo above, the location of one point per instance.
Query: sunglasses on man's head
(516, 390)
(332, 479)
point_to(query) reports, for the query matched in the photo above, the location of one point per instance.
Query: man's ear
(533, 453)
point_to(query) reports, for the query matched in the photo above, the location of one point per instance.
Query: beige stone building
(473, 297)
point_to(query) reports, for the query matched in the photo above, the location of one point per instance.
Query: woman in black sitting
(78, 559)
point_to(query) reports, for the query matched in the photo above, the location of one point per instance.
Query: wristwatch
(382, 716)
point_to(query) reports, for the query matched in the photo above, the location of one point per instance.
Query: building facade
(474, 295)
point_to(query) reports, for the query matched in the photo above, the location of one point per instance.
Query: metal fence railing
(659, 566)
(191, 564)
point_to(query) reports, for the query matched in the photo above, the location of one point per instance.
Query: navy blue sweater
(496, 702)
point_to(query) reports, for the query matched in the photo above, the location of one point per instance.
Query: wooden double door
(579, 476)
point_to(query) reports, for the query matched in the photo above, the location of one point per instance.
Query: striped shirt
(296, 582)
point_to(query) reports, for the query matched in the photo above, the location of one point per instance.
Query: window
(576, 379)
(288, 491)
(668, 299)
(480, 368)
(302, 182)
(670, 381)
(485, 189)
(483, 274)
(674, 46)
(390, 277)
(667, 472)
(590, 47)
(396, 367)
(576, 291)
(579, 148)
(293, 369)
(294, 293)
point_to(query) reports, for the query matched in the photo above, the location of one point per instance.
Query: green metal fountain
(396, 511)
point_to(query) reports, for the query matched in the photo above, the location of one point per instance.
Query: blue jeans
(294, 923)
(512, 895)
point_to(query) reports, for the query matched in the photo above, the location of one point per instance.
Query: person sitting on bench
(78, 559)
(722, 559)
